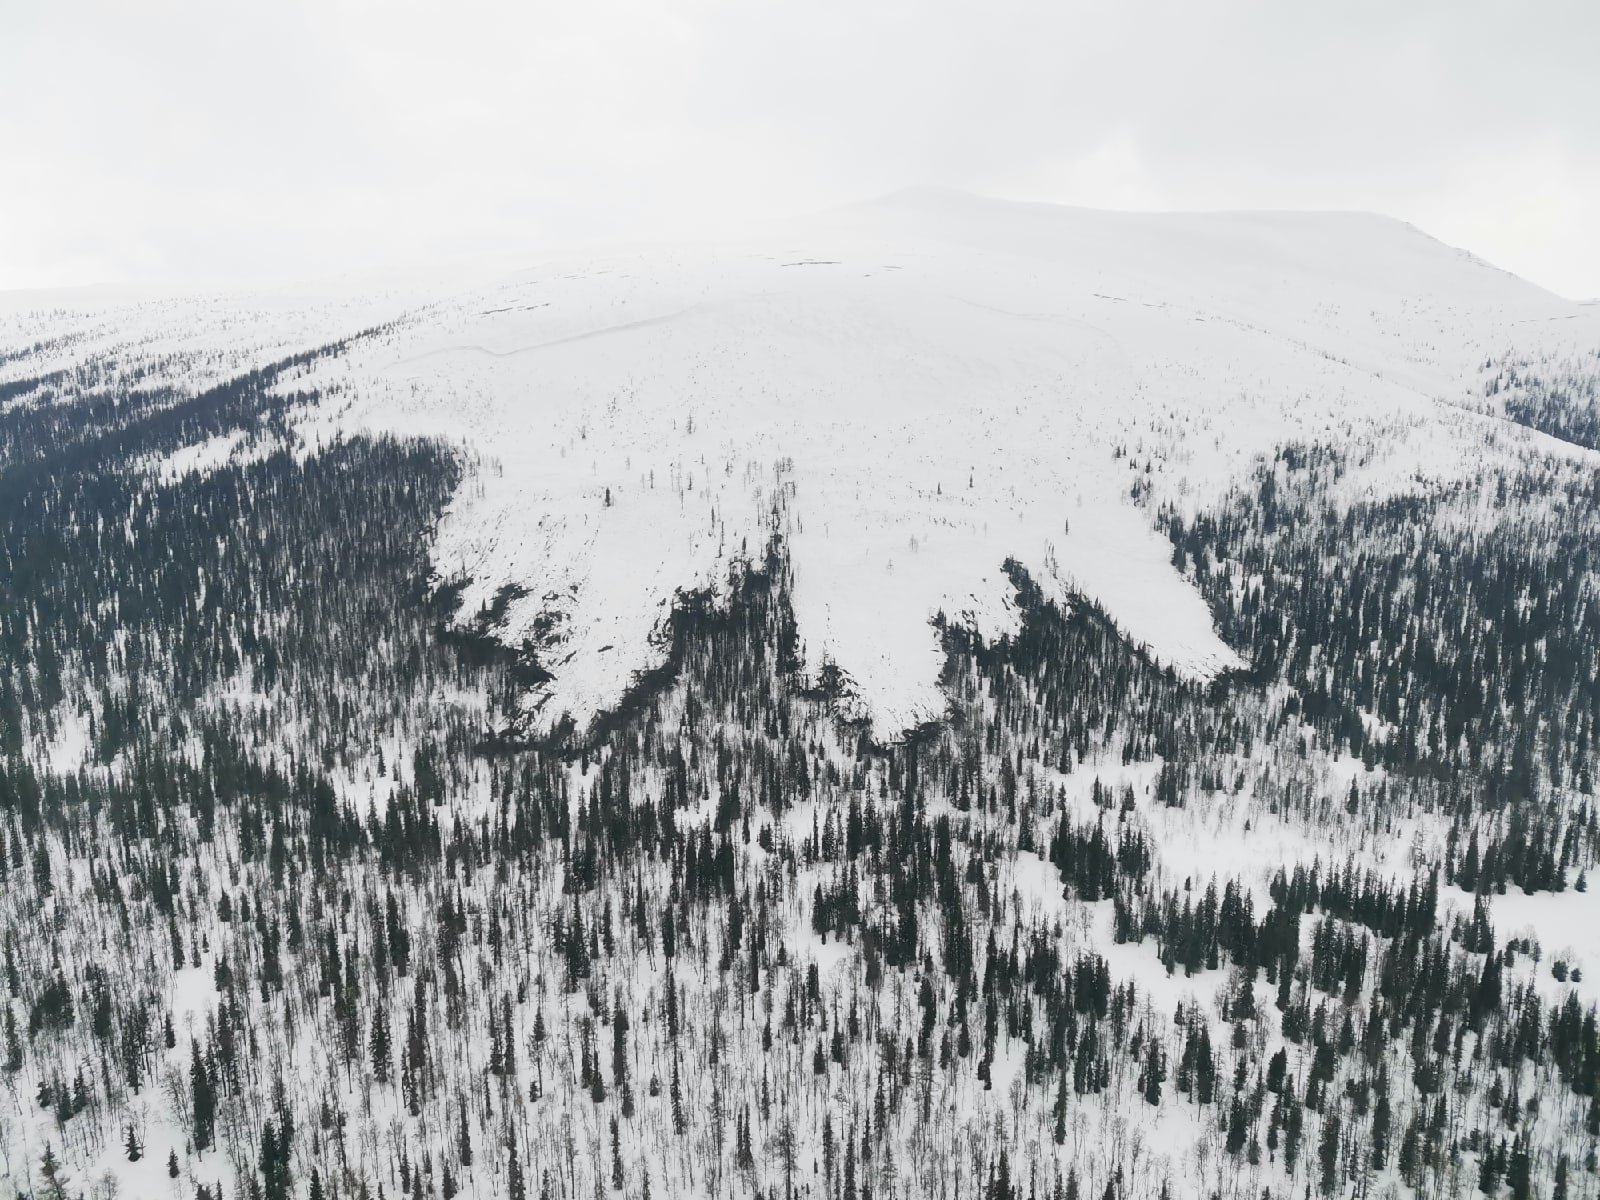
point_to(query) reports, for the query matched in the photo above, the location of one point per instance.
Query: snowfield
(911, 391)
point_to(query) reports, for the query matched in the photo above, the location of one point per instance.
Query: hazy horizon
(181, 142)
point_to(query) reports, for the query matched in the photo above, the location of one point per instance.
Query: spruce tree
(52, 1175)
(616, 1156)
(1154, 1072)
(1518, 1173)
(516, 1188)
(1328, 1152)
(378, 1044)
(203, 1099)
(13, 1061)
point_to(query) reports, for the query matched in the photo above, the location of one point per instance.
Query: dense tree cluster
(1488, 638)
(292, 906)
(1562, 399)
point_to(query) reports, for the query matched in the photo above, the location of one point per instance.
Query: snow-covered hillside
(917, 388)
(298, 900)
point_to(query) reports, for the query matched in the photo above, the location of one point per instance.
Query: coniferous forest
(293, 906)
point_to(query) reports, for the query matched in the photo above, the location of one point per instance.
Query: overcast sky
(195, 139)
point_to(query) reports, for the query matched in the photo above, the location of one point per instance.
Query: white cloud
(186, 138)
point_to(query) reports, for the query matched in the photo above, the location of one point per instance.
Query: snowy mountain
(915, 684)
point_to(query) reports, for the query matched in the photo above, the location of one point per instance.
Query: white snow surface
(911, 391)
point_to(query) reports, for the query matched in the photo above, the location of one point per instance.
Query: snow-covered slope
(251, 830)
(914, 390)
